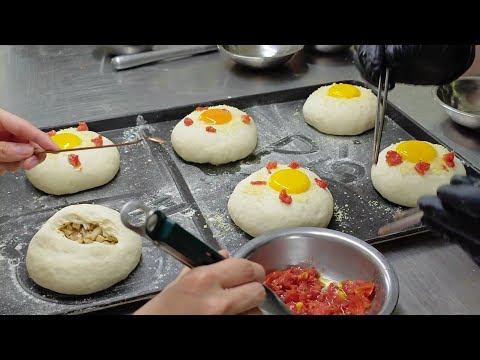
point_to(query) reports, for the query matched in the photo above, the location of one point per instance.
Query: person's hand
(414, 64)
(231, 286)
(18, 142)
(455, 213)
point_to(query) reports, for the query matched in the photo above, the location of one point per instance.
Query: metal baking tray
(196, 195)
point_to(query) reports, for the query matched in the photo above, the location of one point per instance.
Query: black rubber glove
(414, 64)
(455, 213)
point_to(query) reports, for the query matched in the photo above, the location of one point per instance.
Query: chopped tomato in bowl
(307, 293)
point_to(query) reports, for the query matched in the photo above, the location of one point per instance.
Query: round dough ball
(402, 184)
(351, 111)
(257, 209)
(57, 176)
(227, 140)
(67, 266)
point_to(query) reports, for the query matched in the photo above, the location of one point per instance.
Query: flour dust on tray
(82, 249)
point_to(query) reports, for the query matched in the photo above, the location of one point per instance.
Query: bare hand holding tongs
(185, 247)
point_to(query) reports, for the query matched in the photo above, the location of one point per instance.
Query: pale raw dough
(57, 176)
(233, 141)
(338, 116)
(402, 185)
(65, 266)
(257, 209)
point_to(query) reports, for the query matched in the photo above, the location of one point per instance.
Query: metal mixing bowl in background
(259, 56)
(337, 256)
(461, 100)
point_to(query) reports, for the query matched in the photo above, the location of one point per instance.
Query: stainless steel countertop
(52, 85)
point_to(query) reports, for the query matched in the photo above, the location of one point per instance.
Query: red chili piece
(271, 165)
(74, 160)
(98, 141)
(246, 119)
(449, 159)
(294, 165)
(201, 108)
(52, 133)
(422, 167)
(211, 129)
(187, 121)
(258, 182)
(393, 158)
(284, 197)
(82, 126)
(321, 183)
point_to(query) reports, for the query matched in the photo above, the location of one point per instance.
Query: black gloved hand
(414, 64)
(455, 213)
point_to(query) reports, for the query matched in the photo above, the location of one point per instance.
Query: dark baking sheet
(196, 195)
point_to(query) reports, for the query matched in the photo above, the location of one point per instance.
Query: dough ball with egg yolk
(256, 207)
(216, 135)
(341, 109)
(398, 174)
(82, 249)
(57, 176)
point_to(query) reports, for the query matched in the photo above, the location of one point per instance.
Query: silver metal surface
(54, 84)
(127, 49)
(128, 61)
(382, 98)
(401, 223)
(132, 207)
(260, 56)
(330, 48)
(337, 256)
(461, 100)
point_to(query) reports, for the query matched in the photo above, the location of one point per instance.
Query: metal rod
(381, 106)
(154, 139)
(401, 224)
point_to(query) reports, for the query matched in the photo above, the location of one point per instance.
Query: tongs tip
(382, 96)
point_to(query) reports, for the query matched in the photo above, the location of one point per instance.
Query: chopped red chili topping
(321, 183)
(294, 165)
(284, 197)
(52, 133)
(393, 158)
(98, 141)
(211, 129)
(306, 293)
(422, 167)
(74, 160)
(246, 119)
(187, 121)
(82, 126)
(201, 108)
(258, 182)
(271, 165)
(449, 159)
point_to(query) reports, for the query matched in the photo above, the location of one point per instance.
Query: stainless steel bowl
(337, 256)
(461, 100)
(259, 56)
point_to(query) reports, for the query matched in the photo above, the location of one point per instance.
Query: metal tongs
(410, 217)
(381, 106)
(185, 247)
